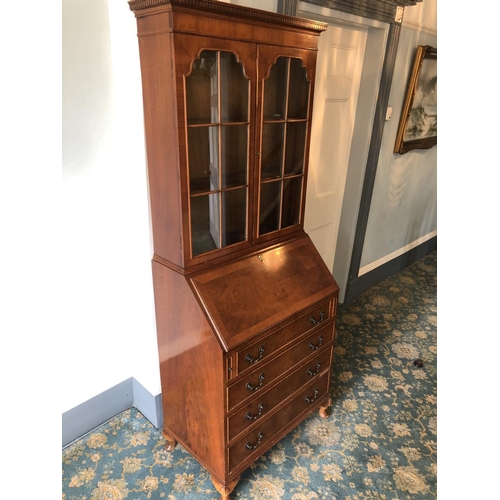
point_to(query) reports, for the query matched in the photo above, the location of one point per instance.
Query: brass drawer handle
(315, 347)
(314, 373)
(317, 321)
(251, 388)
(250, 446)
(307, 399)
(249, 416)
(251, 360)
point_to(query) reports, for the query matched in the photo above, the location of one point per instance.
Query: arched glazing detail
(217, 110)
(284, 130)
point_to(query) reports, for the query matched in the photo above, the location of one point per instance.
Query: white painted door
(338, 75)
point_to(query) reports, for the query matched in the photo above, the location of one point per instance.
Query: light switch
(388, 114)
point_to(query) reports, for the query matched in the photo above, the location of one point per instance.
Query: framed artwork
(418, 123)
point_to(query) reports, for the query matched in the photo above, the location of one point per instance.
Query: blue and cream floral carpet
(379, 443)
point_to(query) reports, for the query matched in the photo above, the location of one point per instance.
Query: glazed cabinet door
(217, 81)
(286, 80)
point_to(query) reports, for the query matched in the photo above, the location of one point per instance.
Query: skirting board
(89, 415)
(366, 281)
(370, 267)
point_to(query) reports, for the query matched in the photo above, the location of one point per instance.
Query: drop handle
(312, 373)
(318, 345)
(250, 446)
(315, 321)
(308, 399)
(251, 360)
(252, 388)
(251, 417)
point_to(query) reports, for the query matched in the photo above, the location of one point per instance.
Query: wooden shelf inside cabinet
(245, 306)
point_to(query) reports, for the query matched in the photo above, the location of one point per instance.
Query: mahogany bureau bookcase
(245, 306)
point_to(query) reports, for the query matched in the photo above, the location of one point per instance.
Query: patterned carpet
(379, 443)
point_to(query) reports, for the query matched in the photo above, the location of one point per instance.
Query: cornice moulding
(229, 9)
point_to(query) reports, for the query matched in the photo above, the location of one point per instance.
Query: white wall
(403, 210)
(108, 331)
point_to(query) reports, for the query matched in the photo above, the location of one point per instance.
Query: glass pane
(234, 155)
(291, 202)
(202, 90)
(295, 147)
(203, 146)
(298, 91)
(270, 196)
(234, 216)
(275, 91)
(205, 223)
(234, 89)
(272, 150)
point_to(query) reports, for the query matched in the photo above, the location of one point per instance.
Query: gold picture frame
(418, 123)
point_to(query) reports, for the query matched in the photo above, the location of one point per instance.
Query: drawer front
(258, 408)
(260, 378)
(254, 443)
(256, 352)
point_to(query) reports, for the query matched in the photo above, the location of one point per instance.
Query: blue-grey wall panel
(96, 411)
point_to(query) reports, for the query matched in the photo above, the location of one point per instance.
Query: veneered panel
(160, 125)
(191, 370)
(247, 296)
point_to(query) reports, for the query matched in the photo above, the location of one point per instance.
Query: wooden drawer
(255, 381)
(259, 408)
(254, 353)
(255, 442)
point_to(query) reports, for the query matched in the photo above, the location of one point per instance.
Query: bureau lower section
(259, 406)
(232, 389)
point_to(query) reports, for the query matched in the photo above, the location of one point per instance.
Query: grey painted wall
(404, 202)
(92, 413)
